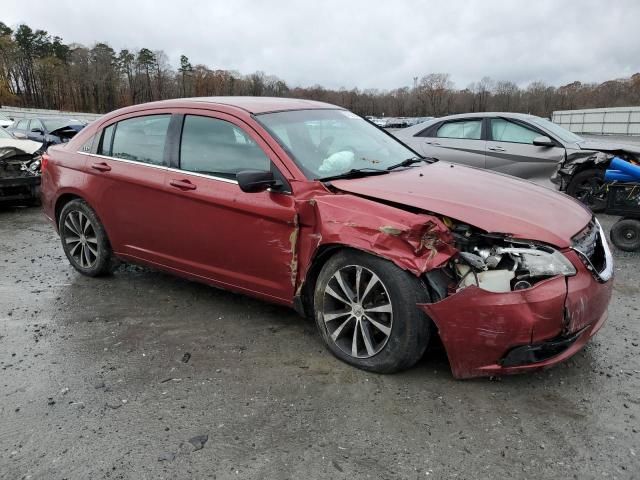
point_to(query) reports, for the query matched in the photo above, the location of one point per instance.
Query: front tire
(84, 239)
(365, 310)
(586, 186)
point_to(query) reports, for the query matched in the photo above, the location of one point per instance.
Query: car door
(126, 185)
(36, 130)
(510, 150)
(457, 141)
(241, 240)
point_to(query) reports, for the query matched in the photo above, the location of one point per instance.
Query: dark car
(47, 130)
(308, 205)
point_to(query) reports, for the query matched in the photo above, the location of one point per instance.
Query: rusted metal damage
(293, 241)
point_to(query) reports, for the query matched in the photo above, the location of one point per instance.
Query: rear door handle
(433, 143)
(101, 167)
(496, 149)
(182, 184)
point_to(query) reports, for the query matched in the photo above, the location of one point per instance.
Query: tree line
(42, 71)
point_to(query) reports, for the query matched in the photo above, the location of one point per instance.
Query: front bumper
(19, 189)
(555, 318)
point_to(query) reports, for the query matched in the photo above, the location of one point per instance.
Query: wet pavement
(143, 375)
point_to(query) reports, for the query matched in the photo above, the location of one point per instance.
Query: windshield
(52, 124)
(5, 134)
(325, 143)
(562, 133)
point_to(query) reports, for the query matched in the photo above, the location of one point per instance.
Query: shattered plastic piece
(198, 441)
(166, 457)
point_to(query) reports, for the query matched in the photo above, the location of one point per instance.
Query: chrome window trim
(160, 167)
(203, 175)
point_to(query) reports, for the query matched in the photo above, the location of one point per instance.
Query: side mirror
(543, 141)
(254, 181)
(19, 135)
(37, 130)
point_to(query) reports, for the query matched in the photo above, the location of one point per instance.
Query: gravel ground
(143, 376)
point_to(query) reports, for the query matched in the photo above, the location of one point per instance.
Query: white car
(5, 121)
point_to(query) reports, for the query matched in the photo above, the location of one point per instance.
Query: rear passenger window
(107, 139)
(140, 139)
(471, 130)
(219, 148)
(505, 131)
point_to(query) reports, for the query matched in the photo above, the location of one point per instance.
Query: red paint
(478, 327)
(493, 202)
(264, 243)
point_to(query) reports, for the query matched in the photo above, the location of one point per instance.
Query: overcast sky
(366, 44)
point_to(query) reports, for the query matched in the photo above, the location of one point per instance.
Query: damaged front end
(504, 305)
(594, 155)
(501, 303)
(19, 176)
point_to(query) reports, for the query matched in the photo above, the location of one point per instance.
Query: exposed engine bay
(496, 263)
(19, 175)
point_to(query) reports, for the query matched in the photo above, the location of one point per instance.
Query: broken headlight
(540, 262)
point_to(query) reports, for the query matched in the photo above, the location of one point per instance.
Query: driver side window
(219, 148)
(35, 123)
(505, 131)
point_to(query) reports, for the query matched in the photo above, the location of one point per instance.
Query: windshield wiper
(407, 162)
(354, 173)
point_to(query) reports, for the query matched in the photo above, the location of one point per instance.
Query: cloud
(363, 44)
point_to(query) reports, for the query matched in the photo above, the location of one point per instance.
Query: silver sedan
(521, 145)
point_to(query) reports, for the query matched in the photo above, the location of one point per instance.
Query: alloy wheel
(80, 238)
(357, 311)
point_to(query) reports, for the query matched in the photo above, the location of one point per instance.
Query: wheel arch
(303, 300)
(61, 201)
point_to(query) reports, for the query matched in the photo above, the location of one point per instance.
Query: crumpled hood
(607, 146)
(10, 147)
(492, 202)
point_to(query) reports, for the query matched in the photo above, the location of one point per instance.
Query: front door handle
(182, 184)
(436, 144)
(496, 149)
(101, 167)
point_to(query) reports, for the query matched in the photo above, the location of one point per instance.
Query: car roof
(253, 105)
(487, 114)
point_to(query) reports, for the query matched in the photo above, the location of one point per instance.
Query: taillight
(44, 162)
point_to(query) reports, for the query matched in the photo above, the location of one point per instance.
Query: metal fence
(600, 121)
(15, 113)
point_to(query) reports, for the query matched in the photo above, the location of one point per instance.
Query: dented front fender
(413, 241)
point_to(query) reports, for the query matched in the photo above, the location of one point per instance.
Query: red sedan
(308, 205)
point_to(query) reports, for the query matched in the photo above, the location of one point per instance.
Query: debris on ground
(198, 441)
(166, 457)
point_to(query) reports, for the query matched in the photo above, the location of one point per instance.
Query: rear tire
(84, 239)
(586, 186)
(365, 310)
(625, 234)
